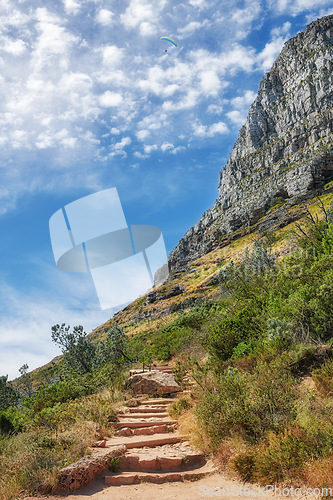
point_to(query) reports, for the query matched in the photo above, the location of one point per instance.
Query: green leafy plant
(114, 464)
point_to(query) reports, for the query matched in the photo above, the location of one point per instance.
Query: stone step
(145, 410)
(143, 431)
(157, 463)
(157, 477)
(158, 401)
(143, 423)
(151, 443)
(143, 415)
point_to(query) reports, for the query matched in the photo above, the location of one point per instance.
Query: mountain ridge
(284, 149)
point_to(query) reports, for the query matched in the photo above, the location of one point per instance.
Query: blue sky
(91, 100)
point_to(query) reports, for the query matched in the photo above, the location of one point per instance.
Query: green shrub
(242, 350)
(11, 421)
(248, 404)
(229, 410)
(323, 378)
(282, 458)
(278, 331)
(226, 335)
(315, 416)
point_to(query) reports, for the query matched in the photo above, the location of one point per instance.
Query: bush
(248, 404)
(229, 410)
(226, 335)
(242, 350)
(11, 421)
(323, 378)
(244, 464)
(278, 332)
(178, 335)
(180, 406)
(283, 457)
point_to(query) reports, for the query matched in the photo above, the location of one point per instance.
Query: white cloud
(72, 6)
(148, 29)
(26, 320)
(209, 82)
(315, 15)
(110, 99)
(272, 48)
(112, 56)
(201, 130)
(215, 109)
(114, 131)
(148, 148)
(118, 149)
(142, 135)
(295, 7)
(140, 11)
(270, 52)
(240, 58)
(236, 117)
(105, 17)
(167, 146)
(170, 148)
(189, 101)
(281, 30)
(242, 19)
(245, 100)
(191, 27)
(15, 47)
(199, 4)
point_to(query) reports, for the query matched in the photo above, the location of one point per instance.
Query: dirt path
(209, 487)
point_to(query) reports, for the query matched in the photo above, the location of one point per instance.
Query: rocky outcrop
(285, 148)
(153, 382)
(87, 469)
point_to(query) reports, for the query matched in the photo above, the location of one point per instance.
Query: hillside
(198, 280)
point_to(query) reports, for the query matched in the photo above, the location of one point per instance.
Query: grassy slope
(198, 280)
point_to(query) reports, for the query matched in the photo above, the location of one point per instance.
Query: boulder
(153, 382)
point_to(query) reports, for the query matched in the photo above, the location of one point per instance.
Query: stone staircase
(155, 451)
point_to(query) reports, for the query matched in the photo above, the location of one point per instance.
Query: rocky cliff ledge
(285, 148)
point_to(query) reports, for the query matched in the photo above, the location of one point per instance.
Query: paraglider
(169, 39)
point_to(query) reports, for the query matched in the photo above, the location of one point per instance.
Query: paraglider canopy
(169, 39)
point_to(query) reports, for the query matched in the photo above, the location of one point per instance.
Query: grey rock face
(284, 149)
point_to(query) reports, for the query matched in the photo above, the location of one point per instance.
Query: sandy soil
(210, 487)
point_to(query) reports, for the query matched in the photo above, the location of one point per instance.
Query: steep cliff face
(285, 148)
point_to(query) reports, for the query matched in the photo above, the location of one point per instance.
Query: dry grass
(30, 461)
(319, 474)
(189, 426)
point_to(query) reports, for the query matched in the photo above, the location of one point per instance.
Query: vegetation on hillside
(259, 352)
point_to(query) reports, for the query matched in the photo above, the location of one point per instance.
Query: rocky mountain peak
(285, 147)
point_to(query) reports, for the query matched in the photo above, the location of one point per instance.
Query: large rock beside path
(153, 382)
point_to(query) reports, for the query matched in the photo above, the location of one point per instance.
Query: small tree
(79, 352)
(112, 348)
(8, 395)
(25, 381)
